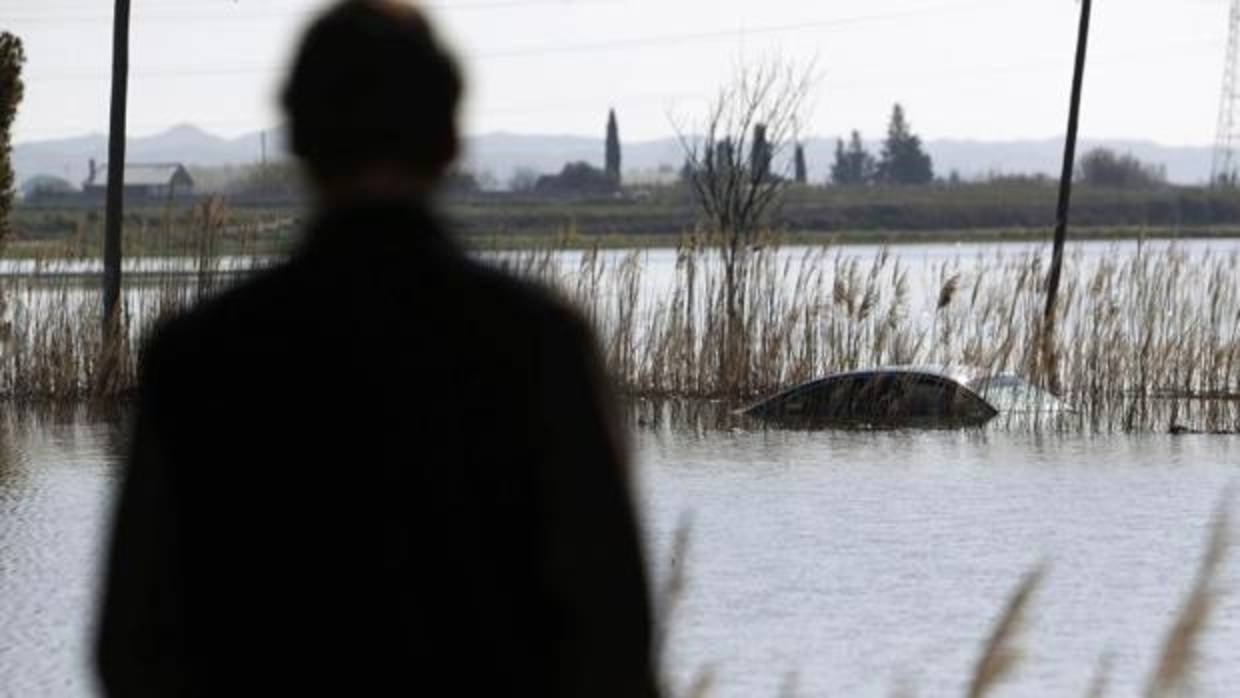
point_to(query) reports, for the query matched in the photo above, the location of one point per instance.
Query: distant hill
(503, 153)
(70, 157)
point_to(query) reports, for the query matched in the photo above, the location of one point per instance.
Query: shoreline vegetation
(1148, 340)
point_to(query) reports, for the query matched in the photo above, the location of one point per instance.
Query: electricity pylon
(1223, 168)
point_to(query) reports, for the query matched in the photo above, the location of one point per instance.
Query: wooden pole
(1065, 197)
(113, 215)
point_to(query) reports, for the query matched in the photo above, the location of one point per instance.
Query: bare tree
(737, 169)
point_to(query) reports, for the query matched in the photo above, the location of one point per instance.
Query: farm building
(143, 180)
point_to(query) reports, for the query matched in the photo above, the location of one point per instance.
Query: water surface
(854, 560)
(863, 561)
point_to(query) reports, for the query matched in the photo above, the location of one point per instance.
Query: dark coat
(377, 468)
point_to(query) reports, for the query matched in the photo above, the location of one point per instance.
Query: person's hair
(371, 84)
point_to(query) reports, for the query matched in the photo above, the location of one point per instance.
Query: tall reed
(51, 349)
(1144, 341)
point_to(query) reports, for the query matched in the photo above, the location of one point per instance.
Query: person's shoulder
(197, 332)
(525, 303)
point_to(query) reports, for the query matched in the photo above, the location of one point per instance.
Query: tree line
(902, 161)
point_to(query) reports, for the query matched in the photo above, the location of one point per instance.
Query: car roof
(959, 373)
(956, 374)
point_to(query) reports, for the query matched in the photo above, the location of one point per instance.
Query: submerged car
(904, 397)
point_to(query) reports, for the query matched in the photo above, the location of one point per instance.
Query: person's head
(371, 101)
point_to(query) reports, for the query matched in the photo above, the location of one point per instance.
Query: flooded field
(838, 563)
(855, 562)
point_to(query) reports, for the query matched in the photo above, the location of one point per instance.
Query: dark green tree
(459, 182)
(902, 160)
(853, 163)
(799, 172)
(577, 178)
(612, 161)
(1103, 167)
(12, 56)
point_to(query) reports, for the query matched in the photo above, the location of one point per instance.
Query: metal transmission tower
(1223, 169)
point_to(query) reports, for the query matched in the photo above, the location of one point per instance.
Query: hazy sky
(977, 69)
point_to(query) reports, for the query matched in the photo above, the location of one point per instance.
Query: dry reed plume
(1179, 656)
(1002, 651)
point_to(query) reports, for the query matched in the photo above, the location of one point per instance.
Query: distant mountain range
(501, 154)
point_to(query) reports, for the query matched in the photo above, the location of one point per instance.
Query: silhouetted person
(379, 468)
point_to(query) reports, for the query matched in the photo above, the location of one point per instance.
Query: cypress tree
(760, 154)
(12, 56)
(839, 168)
(799, 172)
(612, 156)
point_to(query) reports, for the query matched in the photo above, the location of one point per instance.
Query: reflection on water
(55, 480)
(866, 560)
(858, 560)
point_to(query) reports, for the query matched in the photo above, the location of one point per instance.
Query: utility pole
(114, 212)
(1065, 199)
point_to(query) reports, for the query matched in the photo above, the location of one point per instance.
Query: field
(1012, 209)
(76, 232)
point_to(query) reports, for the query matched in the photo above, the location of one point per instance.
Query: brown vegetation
(1146, 340)
(51, 350)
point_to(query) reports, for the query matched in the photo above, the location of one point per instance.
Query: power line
(89, 5)
(228, 71)
(725, 33)
(873, 80)
(170, 12)
(889, 79)
(603, 45)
